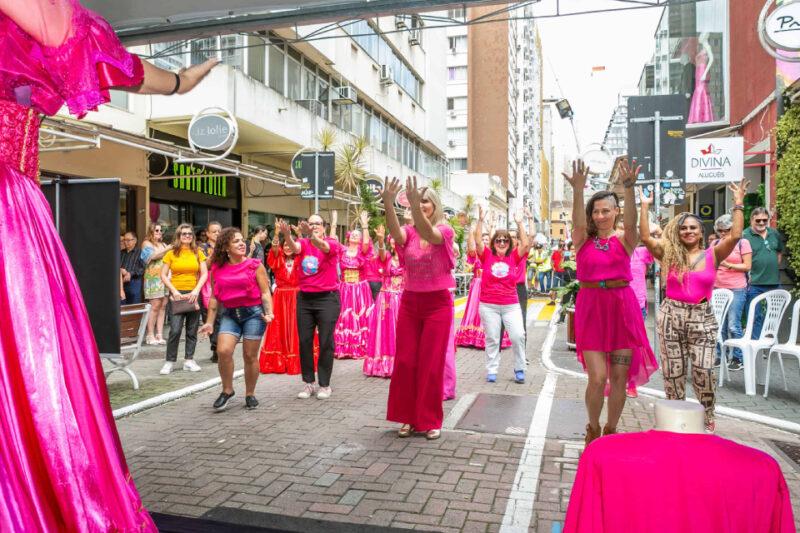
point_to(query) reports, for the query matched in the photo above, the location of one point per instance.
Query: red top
(318, 269)
(558, 258)
(286, 277)
(499, 280)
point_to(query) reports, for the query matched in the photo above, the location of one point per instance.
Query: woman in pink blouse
(426, 309)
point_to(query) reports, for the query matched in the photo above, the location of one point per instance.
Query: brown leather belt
(605, 284)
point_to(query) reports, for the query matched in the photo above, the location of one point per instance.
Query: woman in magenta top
(611, 341)
(318, 302)
(241, 285)
(426, 309)
(686, 325)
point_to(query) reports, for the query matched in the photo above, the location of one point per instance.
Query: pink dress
(470, 332)
(350, 335)
(663, 482)
(383, 321)
(701, 109)
(61, 463)
(611, 319)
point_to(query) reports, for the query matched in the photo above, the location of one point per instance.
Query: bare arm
(426, 230)
(334, 221)
(524, 245)
(725, 246)
(578, 182)
(390, 190)
(317, 242)
(364, 233)
(287, 236)
(160, 81)
(266, 297)
(628, 175)
(380, 236)
(471, 242)
(653, 245)
(477, 236)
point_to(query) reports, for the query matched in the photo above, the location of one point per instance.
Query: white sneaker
(191, 366)
(307, 392)
(166, 369)
(324, 393)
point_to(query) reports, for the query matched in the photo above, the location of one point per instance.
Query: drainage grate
(503, 414)
(790, 451)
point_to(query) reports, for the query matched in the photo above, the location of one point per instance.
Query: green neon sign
(210, 184)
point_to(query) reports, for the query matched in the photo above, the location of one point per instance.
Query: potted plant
(567, 295)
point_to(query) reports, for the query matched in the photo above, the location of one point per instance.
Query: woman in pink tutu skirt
(61, 461)
(383, 318)
(611, 340)
(470, 332)
(350, 335)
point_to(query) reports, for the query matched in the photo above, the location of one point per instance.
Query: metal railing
(463, 280)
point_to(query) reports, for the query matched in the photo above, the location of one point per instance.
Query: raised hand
(580, 173)
(739, 191)
(283, 227)
(412, 191)
(645, 200)
(391, 188)
(518, 217)
(193, 75)
(628, 173)
(380, 233)
(304, 228)
(364, 218)
(481, 214)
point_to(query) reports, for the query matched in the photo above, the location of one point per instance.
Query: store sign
(598, 160)
(211, 132)
(782, 27)
(375, 186)
(714, 160)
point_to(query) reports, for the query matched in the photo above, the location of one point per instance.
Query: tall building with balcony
(615, 141)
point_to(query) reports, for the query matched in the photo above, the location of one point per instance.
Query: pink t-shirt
(499, 281)
(522, 271)
(733, 279)
(640, 258)
(429, 268)
(371, 264)
(317, 269)
(695, 285)
(236, 285)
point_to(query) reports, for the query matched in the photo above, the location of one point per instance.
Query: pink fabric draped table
(662, 482)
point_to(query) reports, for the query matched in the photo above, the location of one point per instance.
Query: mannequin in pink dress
(61, 461)
(701, 109)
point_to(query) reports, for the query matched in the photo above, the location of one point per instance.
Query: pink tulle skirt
(350, 335)
(470, 332)
(610, 319)
(382, 338)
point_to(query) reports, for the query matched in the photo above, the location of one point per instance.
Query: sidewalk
(339, 460)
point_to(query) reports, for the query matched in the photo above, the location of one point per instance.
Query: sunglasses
(315, 223)
(187, 234)
(501, 239)
(761, 220)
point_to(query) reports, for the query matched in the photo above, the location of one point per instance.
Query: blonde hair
(176, 240)
(437, 217)
(676, 256)
(151, 231)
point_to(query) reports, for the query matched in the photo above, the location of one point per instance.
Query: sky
(622, 42)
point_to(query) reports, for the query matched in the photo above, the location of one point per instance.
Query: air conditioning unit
(451, 143)
(413, 37)
(386, 75)
(400, 22)
(452, 114)
(344, 95)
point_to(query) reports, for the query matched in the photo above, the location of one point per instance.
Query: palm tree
(350, 169)
(326, 138)
(469, 206)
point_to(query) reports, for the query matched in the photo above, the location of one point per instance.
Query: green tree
(787, 181)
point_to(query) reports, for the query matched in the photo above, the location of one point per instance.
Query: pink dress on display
(470, 332)
(609, 319)
(350, 335)
(61, 462)
(701, 109)
(383, 320)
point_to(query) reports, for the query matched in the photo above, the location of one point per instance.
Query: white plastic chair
(790, 347)
(721, 300)
(777, 301)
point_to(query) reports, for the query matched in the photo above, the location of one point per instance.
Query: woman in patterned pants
(686, 325)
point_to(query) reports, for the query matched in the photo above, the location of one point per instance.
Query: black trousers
(176, 323)
(522, 296)
(317, 311)
(375, 287)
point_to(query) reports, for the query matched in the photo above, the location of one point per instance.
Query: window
(232, 50)
(457, 135)
(203, 49)
(456, 73)
(256, 58)
(458, 103)
(458, 43)
(459, 163)
(293, 85)
(458, 13)
(169, 56)
(357, 126)
(119, 99)
(276, 73)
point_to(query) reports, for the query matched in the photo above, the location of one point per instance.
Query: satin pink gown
(61, 461)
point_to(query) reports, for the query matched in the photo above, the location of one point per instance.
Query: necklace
(602, 246)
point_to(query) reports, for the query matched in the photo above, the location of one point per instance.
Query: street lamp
(565, 111)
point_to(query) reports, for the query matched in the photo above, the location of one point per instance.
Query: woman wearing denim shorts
(241, 285)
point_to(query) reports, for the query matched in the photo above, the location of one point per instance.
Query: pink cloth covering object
(61, 462)
(236, 285)
(470, 332)
(317, 269)
(611, 319)
(499, 278)
(695, 483)
(351, 333)
(693, 286)
(382, 332)
(428, 267)
(640, 258)
(733, 279)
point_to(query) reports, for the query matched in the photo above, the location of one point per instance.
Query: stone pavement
(340, 460)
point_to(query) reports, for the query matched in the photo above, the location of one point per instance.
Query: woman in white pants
(499, 304)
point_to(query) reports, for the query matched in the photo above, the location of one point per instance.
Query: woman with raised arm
(499, 300)
(426, 309)
(62, 466)
(686, 325)
(611, 340)
(317, 301)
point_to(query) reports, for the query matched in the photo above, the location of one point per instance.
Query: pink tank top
(428, 268)
(236, 285)
(603, 260)
(695, 285)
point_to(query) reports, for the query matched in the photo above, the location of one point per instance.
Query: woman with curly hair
(686, 324)
(241, 285)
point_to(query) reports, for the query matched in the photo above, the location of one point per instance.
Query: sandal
(151, 341)
(591, 434)
(711, 426)
(433, 434)
(405, 431)
(608, 430)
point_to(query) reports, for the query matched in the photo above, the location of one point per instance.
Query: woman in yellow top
(184, 273)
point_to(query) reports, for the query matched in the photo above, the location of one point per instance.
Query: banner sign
(714, 160)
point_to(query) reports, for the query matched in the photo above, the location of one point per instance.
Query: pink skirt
(610, 319)
(470, 332)
(382, 338)
(350, 335)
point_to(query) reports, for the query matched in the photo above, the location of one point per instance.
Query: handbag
(181, 307)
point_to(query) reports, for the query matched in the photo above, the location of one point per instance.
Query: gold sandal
(608, 430)
(433, 434)
(405, 431)
(591, 434)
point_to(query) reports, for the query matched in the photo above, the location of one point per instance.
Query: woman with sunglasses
(611, 340)
(318, 303)
(425, 318)
(155, 292)
(686, 325)
(499, 302)
(184, 272)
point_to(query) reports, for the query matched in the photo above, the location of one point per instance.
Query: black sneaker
(250, 402)
(735, 365)
(222, 401)
(214, 358)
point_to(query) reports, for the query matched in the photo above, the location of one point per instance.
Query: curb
(546, 358)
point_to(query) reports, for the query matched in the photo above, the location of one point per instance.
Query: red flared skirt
(280, 353)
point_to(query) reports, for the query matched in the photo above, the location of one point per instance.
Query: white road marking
(464, 402)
